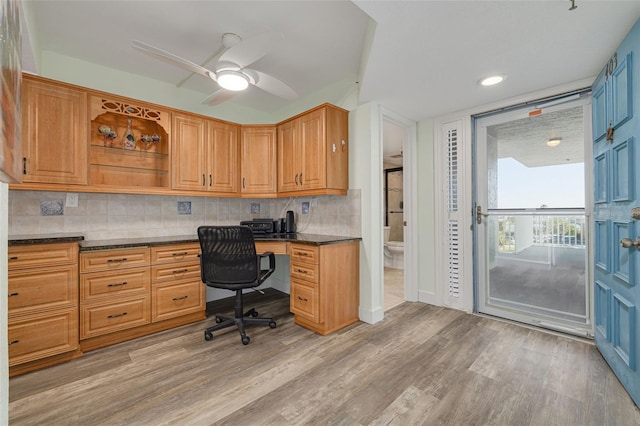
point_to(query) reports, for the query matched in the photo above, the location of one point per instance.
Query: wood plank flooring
(421, 365)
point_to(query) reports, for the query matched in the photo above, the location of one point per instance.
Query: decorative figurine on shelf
(107, 133)
(146, 140)
(155, 138)
(128, 140)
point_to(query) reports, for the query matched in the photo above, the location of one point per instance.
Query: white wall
(426, 213)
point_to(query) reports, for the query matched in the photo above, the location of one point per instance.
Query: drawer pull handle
(303, 299)
(13, 342)
(184, 253)
(180, 271)
(122, 259)
(301, 253)
(302, 271)
(117, 315)
(117, 284)
(175, 299)
(13, 294)
(13, 258)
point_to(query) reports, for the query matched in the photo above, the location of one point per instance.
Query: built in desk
(105, 292)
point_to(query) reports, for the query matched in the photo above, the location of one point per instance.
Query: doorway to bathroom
(394, 221)
(532, 214)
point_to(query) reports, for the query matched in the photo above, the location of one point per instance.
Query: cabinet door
(289, 167)
(43, 335)
(311, 143)
(223, 157)
(188, 153)
(258, 158)
(54, 133)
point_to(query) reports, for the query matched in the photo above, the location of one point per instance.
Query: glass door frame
(480, 198)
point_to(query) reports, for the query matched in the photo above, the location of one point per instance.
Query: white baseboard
(371, 316)
(428, 297)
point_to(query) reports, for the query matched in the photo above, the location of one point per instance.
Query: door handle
(627, 243)
(479, 215)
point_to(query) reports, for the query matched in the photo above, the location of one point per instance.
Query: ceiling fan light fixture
(492, 80)
(553, 142)
(232, 80)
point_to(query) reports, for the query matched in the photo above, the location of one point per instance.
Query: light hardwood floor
(421, 365)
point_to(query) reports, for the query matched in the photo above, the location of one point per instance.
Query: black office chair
(229, 260)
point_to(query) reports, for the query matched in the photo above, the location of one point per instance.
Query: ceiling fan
(230, 71)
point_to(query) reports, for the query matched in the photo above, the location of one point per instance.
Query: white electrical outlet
(72, 199)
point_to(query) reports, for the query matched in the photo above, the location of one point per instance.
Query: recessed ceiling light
(553, 142)
(491, 80)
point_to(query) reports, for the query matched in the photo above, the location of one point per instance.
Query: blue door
(616, 134)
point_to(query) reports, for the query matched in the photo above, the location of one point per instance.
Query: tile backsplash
(112, 216)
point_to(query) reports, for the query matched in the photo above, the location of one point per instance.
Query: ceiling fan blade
(218, 97)
(170, 58)
(272, 85)
(250, 50)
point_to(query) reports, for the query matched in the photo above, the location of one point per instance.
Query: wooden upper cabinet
(54, 132)
(223, 157)
(205, 154)
(258, 160)
(188, 155)
(313, 152)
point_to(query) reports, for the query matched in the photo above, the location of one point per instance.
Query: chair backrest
(228, 255)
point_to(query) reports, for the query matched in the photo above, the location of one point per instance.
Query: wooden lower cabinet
(42, 305)
(177, 288)
(129, 293)
(325, 283)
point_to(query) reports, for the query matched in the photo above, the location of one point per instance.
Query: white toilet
(393, 251)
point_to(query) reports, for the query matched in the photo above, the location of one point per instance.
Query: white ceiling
(423, 58)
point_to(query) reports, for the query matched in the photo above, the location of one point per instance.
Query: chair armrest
(264, 273)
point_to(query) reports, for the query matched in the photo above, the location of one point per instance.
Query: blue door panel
(599, 111)
(622, 171)
(601, 171)
(601, 245)
(623, 265)
(621, 88)
(602, 310)
(624, 330)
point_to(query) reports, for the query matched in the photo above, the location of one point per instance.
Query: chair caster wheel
(218, 320)
(245, 340)
(254, 314)
(208, 336)
(272, 324)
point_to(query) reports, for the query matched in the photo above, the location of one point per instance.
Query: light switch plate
(72, 199)
(305, 207)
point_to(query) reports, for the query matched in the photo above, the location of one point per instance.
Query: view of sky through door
(532, 174)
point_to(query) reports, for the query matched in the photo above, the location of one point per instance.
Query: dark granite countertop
(16, 240)
(88, 245)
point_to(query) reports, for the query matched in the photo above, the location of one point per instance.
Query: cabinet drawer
(176, 272)
(112, 260)
(305, 301)
(175, 253)
(272, 246)
(29, 256)
(43, 335)
(97, 320)
(304, 253)
(174, 300)
(131, 282)
(37, 290)
(304, 271)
